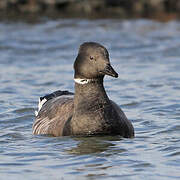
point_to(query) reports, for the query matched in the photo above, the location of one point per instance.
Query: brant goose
(89, 111)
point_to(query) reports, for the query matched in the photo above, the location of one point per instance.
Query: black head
(93, 62)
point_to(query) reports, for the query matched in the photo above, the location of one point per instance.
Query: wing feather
(53, 116)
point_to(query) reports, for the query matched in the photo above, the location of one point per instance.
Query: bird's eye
(91, 57)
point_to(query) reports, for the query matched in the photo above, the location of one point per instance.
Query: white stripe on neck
(82, 81)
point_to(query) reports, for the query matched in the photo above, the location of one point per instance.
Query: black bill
(108, 70)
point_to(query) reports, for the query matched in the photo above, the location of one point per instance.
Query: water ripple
(38, 58)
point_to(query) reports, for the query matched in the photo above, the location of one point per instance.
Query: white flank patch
(82, 81)
(40, 105)
(36, 113)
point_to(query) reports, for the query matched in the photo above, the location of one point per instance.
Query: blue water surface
(37, 59)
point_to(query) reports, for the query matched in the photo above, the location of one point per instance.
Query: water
(37, 59)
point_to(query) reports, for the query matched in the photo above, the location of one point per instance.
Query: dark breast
(122, 125)
(108, 119)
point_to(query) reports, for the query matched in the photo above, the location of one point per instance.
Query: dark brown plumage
(90, 111)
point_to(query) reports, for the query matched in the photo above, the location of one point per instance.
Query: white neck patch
(82, 81)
